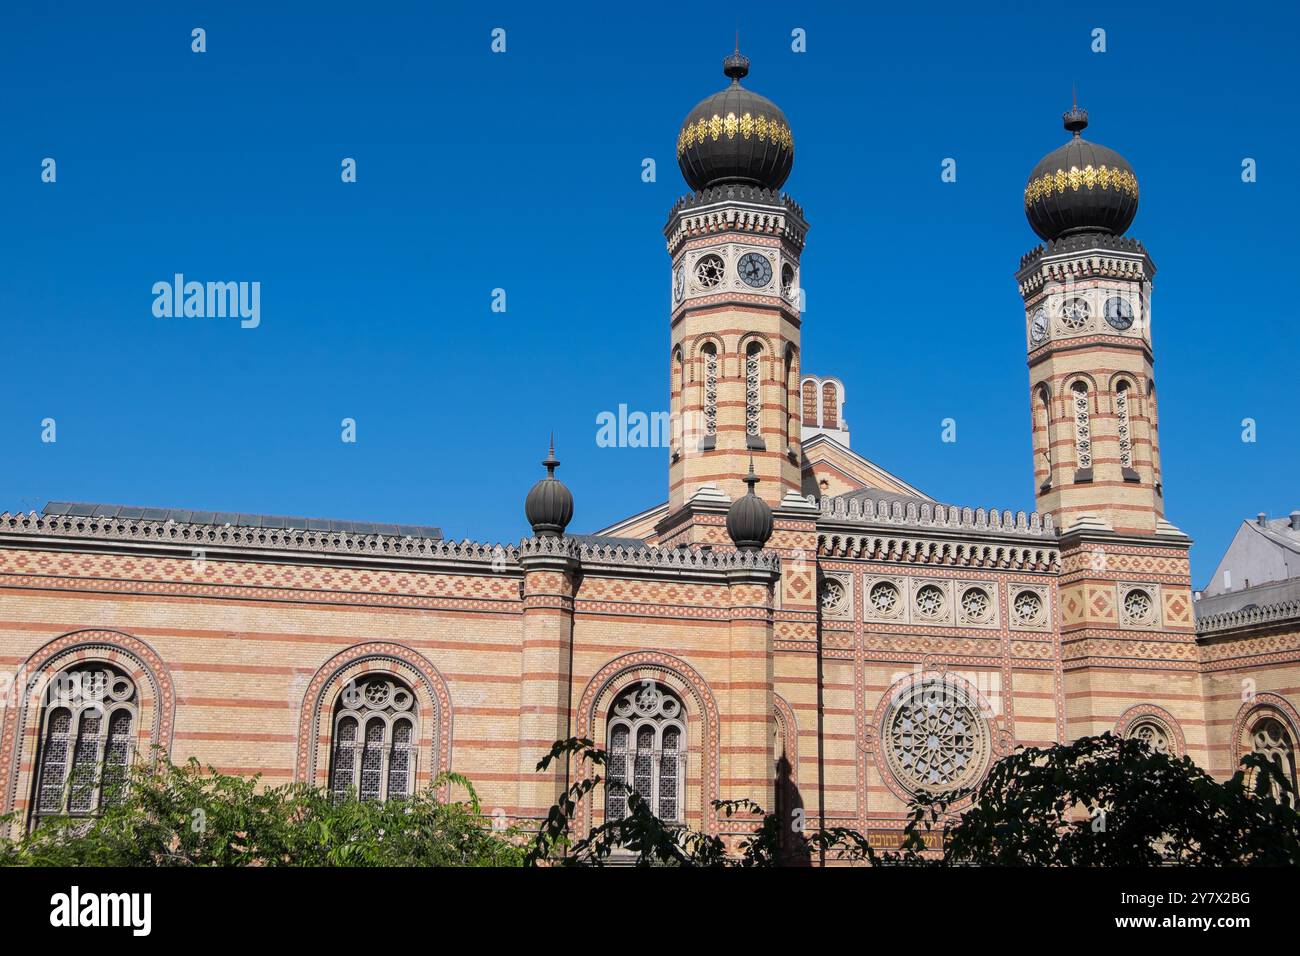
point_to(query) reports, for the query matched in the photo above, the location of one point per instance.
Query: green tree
(188, 815)
(1099, 801)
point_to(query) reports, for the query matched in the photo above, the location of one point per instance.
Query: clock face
(1075, 314)
(1038, 327)
(787, 278)
(754, 269)
(1119, 313)
(679, 283)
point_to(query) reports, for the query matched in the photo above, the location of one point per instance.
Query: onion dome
(549, 505)
(749, 519)
(1081, 187)
(735, 137)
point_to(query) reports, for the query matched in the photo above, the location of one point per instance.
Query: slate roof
(236, 519)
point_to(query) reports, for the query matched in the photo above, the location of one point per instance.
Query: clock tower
(734, 244)
(1088, 331)
(1124, 596)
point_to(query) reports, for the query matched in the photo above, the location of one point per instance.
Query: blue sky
(522, 171)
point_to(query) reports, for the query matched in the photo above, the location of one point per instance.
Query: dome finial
(550, 463)
(749, 519)
(549, 505)
(736, 66)
(1076, 120)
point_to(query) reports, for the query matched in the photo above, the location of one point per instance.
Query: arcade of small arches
(696, 380)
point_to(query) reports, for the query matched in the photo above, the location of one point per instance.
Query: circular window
(121, 688)
(1138, 607)
(935, 738)
(378, 693)
(1074, 314)
(833, 595)
(709, 270)
(1153, 735)
(976, 604)
(884, 597)
(929, 601)
(1028, 606)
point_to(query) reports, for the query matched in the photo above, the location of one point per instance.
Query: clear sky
(522, 171)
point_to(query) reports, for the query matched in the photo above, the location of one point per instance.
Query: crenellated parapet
(746, 210)
(1285, 612)
(906, 549)
(927, 515)
(1076, 258)
(31, 528)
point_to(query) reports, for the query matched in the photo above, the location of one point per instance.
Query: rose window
(929, 601)
(708, 271)
(832, 595)
(1074, 314)
(1137, 606)
(1028, 607)
(975, 603)
(884, 597)
(1153, 735)
(935, 739)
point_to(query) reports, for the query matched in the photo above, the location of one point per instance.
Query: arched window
(1082, 430)
(678, 385)
(647, 752)
(375, 731)
(810, 403)
(85, 744)
(1043, 425)
(1125, 430)
(1153, 435)
(1153, 734)
(787, 401)
(830, 406)
(754, 396)
(710, 356)
(1270, 737)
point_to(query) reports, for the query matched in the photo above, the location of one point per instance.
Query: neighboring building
(1248, 618)
(793, 624)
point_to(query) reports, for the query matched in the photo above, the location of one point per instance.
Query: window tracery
(647, 743)
(1270, 737)
(86, 740)
(1082, 426)
(374, 740)
(935, 738)
(710, 354)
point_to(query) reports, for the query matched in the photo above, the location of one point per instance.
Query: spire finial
(1076, 120)
(736, 66)
(551, 462)
(751, 479)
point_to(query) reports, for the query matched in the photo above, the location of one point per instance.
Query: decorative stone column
(551, 573)
(747, 768)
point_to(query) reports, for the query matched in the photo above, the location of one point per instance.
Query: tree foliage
(1108, 801)
(188, 815)
(1099, 801)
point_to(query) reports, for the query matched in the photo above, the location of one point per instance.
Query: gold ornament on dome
(1074, 179)
(746, 125)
